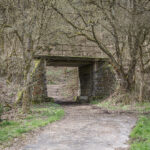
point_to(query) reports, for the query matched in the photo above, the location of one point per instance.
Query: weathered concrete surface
(69, 61)
(97, 80)
(85, 128)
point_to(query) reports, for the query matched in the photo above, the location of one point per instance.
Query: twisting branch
(68, 21)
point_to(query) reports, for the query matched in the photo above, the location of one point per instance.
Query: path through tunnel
(63, 84)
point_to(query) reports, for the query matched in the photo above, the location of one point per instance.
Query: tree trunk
(26, 94)
(1, 41)
(141, 93)
(126, 82)
(26, 100)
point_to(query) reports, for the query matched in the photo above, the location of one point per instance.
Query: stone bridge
(97, 79)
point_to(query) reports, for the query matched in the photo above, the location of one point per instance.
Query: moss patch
(19, 96)
(36, 64)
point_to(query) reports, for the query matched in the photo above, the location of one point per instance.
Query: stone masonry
(97, 80)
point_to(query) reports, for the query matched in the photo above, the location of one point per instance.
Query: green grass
(41, 115)
(140, 107)
(140, 135)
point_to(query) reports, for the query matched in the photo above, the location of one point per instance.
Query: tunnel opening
(63, 84)
(73, 79)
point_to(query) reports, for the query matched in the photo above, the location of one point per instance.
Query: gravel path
(84, 128)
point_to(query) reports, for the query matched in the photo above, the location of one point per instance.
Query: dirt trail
(85, 128)
(54, 91)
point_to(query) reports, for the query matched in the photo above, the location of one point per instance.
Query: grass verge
(138, 107)
(140, 135)
(40, 115)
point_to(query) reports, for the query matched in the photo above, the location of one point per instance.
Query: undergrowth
(41, 115)
(109, 105)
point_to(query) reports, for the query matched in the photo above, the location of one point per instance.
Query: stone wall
(104, 80)
(96, 80)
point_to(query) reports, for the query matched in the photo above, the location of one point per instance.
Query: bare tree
(144, 63)
(118, 27)
(30, 31)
